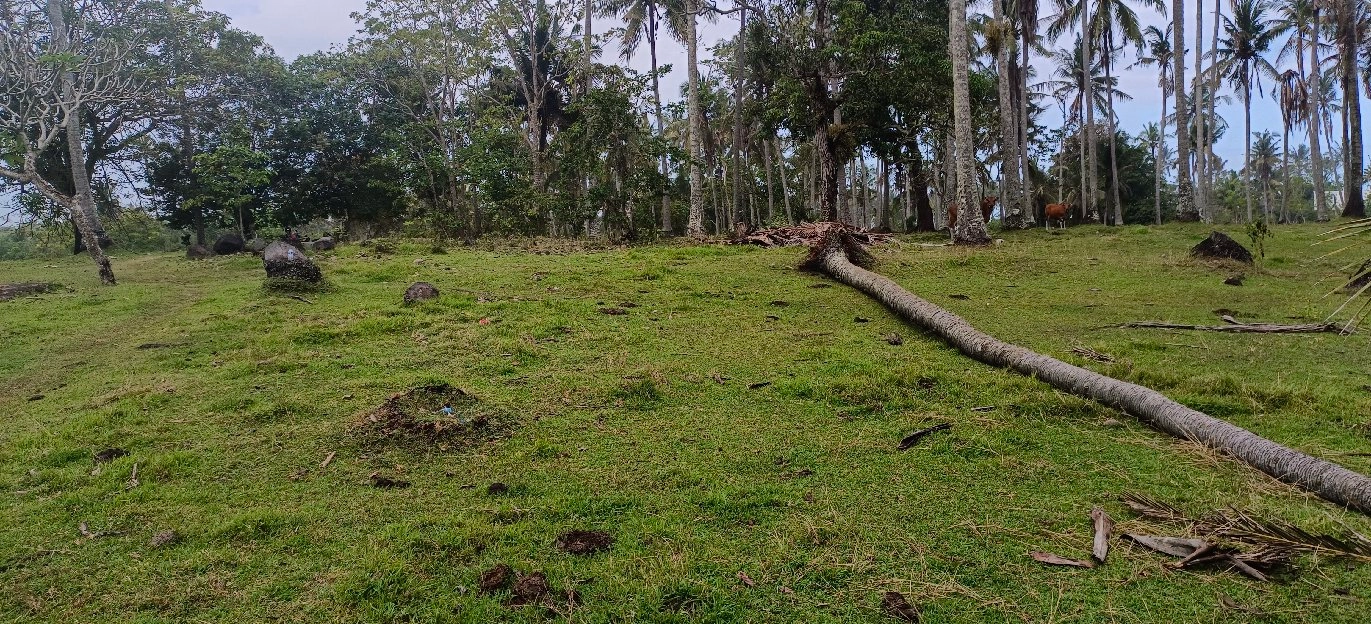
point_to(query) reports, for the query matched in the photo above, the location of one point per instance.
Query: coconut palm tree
(1158, 45)
(999, 38)
(1265, 155)
(1185, 191)
(1350, 28)
(1067, 78)
(970, 228)
(1028, 38)
(1249, 36)
(1115, 25)
(642, 21)
(1154, 138)
(1294, 99)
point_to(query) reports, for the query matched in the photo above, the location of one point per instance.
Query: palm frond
(1275, 538)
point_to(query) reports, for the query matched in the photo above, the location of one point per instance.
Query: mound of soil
(11, 291)
(1220, 246)
(420, 291)
(529, 589)
(417, 416)
(581, 542)
(496, 578)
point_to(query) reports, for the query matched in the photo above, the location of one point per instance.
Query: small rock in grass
(496, 489)
(1111, 423)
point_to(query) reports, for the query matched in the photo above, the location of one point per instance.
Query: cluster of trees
(459, 118)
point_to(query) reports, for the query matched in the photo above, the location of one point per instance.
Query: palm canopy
(1113, 24)
(1249, 35)
(642, 17)
(1066, 82)
(1157, 47)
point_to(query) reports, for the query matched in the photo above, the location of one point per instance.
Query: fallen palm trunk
(1331, 481)
(1236, 326)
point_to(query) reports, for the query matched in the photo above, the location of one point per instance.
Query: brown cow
(987, 209)
(1056, 212)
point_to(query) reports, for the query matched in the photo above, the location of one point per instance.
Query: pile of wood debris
(805, 234)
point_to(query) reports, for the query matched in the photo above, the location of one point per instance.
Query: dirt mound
(420, 291)
(11, 291)
(529, 589)
(580, 542)
(435, 414)
(1220, 246)
(496, 578)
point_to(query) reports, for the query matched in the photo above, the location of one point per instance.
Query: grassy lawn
(644, 425)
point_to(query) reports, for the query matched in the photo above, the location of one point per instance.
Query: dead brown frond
(1276, 538)
(1149, 507)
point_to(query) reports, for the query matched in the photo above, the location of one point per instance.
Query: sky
(295, 27)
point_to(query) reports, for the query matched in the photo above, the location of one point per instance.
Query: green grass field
(645, 426)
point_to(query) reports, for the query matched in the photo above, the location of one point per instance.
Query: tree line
(458, 119)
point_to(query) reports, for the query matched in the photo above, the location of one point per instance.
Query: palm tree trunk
(1113, 149)
(1159, 157)
(1030, 202)
(1354, 205)
(1092, 159)
(1247, 143)
(1009, 134)
(1285, 173)
(970, 228)
(695, 225)
(1315, 80)
(1200, 120)
(661, 125)
(1328, 480)
(740, 219)
(1185, 192)
(1210, 167)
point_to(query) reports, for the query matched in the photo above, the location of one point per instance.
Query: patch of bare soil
(438, 415)
(14, 291)
(496, 578)
(581, 542)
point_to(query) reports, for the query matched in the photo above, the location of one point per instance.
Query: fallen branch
(1237, 327)
(1331, 481)
(913, 438)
